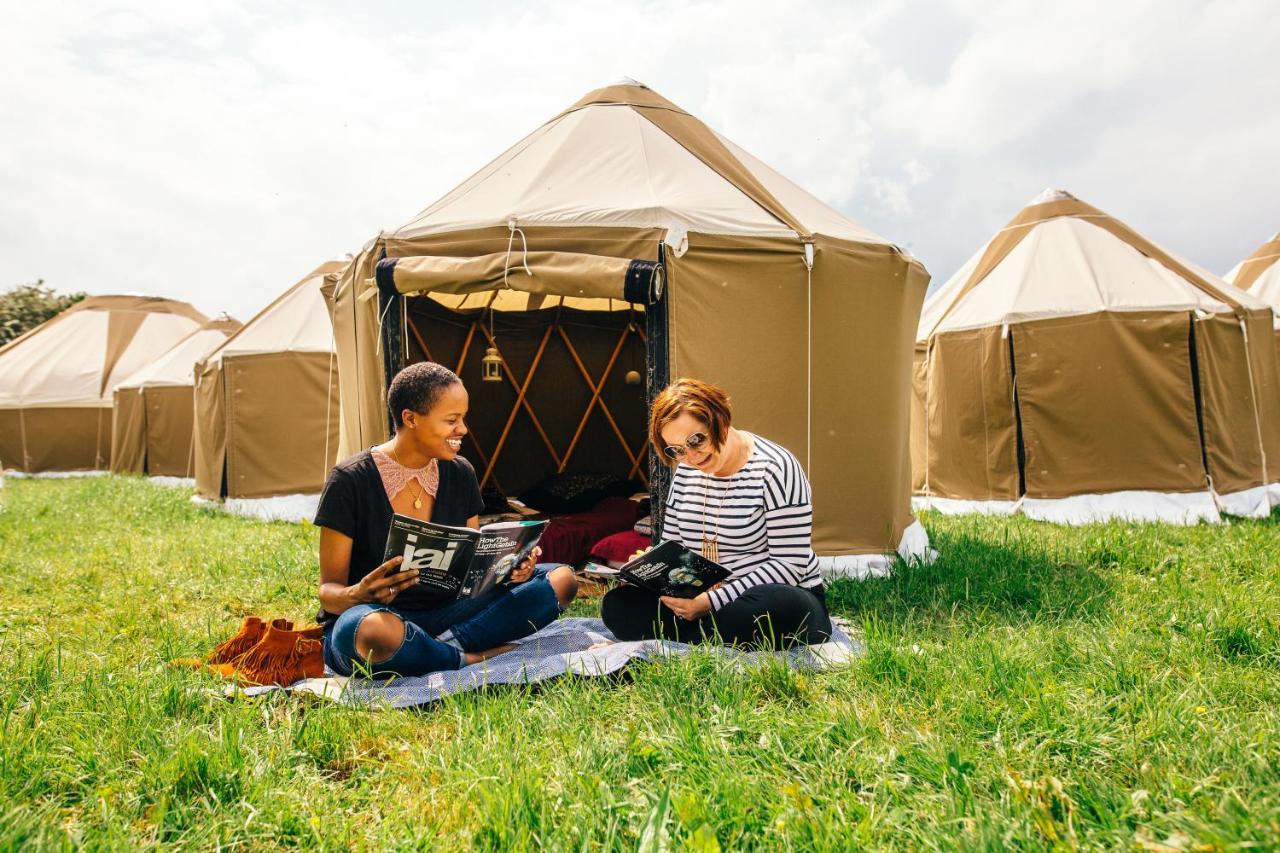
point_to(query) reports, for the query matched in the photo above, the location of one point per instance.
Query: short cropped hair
(703, 400)
(417, 388)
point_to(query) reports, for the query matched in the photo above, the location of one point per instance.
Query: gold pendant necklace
(417, 498)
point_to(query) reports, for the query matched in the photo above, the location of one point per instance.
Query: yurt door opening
(568, 383)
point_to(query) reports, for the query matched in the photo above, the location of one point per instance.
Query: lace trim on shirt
(396, 477)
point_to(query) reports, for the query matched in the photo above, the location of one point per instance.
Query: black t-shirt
(354, 503)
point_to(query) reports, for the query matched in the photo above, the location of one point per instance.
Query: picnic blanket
(562, 648)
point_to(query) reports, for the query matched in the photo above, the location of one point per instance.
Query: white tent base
(1251, 503)
(174, 482)
(279, 508)
(956, 506)
(52, 475)
(914, 547)
(1134, 506)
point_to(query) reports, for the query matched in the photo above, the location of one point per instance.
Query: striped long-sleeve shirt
(762, 515)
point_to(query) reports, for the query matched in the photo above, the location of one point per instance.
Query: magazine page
(440, 553)
(672, 569)
(500, 548)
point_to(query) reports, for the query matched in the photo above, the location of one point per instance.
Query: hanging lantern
(632, 377)
(491, 365)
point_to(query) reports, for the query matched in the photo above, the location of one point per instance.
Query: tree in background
(29, 305)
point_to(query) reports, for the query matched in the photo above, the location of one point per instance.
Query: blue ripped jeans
(477, 624)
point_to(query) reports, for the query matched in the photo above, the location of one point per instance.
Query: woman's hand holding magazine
(688, 608)
(384, 583)
(524, 571)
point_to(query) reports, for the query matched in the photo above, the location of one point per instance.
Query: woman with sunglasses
(743, 502)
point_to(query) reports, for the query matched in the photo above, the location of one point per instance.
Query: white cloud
(215, 152)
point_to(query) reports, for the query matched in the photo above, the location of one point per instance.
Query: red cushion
(620, 546)
(568, 538)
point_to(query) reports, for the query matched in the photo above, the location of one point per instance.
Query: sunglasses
(693, 442)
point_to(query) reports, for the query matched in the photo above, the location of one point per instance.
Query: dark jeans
(499, 616)
(768, 616)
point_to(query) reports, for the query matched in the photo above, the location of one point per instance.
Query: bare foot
(468, 658)
(600, 645)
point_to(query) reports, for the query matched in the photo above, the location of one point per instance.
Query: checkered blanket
(561, 648)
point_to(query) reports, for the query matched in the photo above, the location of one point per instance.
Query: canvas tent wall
(1075, 371)
(152, 423)
(806, 317)
(1260, 275)
(266, 405)
(56, 381)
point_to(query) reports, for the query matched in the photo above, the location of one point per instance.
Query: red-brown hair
(703, 400)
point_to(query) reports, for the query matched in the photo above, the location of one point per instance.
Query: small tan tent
(718, 267)
(266, 405)
(1260, 275)
(152, 414)
(56, 381)
(1076, 371)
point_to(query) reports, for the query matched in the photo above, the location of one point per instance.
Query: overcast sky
(215, 152)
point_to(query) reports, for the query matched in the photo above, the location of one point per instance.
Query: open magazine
(672, 569)
(459, 562)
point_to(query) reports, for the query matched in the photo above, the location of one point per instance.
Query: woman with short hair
(744, 502)
(376, 621)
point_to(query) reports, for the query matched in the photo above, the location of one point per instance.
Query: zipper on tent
(1195, 391)
(1017, 417)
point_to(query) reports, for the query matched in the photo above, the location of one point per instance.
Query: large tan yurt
(152, 430)
(1076, 371)
(266, 404)
(622, 238)
(56, 381)
(1260, 275)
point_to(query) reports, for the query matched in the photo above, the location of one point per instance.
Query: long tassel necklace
(711, 542)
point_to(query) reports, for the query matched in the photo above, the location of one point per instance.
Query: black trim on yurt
(657, 375)
(391, 320)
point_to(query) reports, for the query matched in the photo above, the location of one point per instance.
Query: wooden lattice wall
(563, 404)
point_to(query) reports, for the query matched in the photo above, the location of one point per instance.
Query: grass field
(1106, 687)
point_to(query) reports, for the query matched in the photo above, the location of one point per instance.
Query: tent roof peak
(625, 92)
(1051, 194)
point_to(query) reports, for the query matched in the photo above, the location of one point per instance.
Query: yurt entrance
(569, 380)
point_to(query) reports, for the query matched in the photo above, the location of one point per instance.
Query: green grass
(1102, 687)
